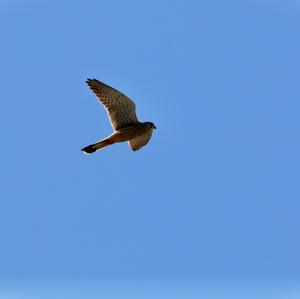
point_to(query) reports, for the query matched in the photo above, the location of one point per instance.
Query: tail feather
(96, 146)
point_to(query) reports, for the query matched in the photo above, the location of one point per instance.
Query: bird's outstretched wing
(120, 109)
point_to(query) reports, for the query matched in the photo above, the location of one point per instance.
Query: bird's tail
(97, 146)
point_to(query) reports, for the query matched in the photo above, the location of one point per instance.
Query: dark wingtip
(90, 81)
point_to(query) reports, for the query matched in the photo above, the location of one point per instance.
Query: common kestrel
(123, 119)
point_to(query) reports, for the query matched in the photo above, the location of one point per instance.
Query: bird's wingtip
(90, 81)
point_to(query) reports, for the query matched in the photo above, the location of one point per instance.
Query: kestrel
(123, 119)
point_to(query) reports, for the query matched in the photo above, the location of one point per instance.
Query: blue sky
(212, 200)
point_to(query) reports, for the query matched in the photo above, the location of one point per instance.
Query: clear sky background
(210, 204)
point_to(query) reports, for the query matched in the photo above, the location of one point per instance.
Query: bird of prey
(123, 119)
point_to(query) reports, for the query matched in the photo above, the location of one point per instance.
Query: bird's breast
(130, 132)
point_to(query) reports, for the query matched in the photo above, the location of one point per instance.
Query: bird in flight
(123, 119)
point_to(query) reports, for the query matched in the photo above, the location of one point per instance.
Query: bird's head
(150, 125)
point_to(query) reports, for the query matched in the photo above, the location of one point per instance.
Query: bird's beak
(154, 127)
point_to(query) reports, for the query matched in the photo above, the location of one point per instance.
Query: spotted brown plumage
(123, 119)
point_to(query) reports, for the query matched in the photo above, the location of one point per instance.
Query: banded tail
(97, 146)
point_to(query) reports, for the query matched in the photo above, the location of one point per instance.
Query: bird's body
(121, 112)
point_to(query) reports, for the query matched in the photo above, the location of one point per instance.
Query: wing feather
(120, 109)
(140, 141)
